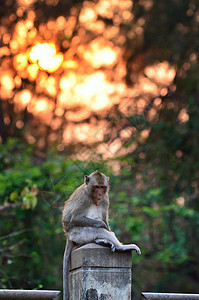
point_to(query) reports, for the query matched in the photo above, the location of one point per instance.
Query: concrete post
(96, 273)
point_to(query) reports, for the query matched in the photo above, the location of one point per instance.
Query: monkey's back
(75, 205)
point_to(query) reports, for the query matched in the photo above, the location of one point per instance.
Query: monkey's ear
(107, 178)
(86, 179)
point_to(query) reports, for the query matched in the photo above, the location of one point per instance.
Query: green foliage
(31, 200)
(164, 199)
(154, 204)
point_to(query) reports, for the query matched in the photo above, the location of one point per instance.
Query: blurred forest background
(110, 85)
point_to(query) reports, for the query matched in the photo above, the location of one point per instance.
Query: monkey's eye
(97, 186)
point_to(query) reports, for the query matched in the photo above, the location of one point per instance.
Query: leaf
(153, 212)
(26, 202)
(25, 191)
(14, 196)
(29, 201)
(34, 190)
(33, 202)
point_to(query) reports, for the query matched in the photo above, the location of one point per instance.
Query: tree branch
(13, 234)
(10, 205)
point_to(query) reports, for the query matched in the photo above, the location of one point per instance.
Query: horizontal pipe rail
(30, 294)
(173, 296)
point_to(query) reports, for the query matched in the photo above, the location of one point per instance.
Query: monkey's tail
(67, 254)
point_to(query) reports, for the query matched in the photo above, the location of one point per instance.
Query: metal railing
(173, 296)
(30, 294)
(56, 295)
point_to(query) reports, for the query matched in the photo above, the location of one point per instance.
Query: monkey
(85, 220)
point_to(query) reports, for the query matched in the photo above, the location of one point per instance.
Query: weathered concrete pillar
(96, 273)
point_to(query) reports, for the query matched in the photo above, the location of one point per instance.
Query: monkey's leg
(67, 254)
(108, 237)
(85, 235)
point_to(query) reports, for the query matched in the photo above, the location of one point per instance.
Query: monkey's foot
(137, 249)
(131, 247)
(105, 242)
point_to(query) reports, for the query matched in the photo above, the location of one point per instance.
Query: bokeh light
(72, 66)
(46, 56)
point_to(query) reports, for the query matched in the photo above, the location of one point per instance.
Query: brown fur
(99, 177)
(78, 203)
(85, 220)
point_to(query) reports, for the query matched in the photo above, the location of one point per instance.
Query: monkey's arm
(88, 222)
(105, 220)
(107, 226)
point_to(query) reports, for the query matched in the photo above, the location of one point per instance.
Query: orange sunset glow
(46, 57)
(71, 67)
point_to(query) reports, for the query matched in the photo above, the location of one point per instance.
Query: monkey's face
(98, 193)
(97, 186)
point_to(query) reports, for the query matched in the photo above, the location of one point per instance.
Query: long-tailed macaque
(85, 220)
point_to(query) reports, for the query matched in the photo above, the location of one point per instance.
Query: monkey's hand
(107, 227)
(106, 242)
(101, 224)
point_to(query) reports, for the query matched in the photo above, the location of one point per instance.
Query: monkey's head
(97, 185)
